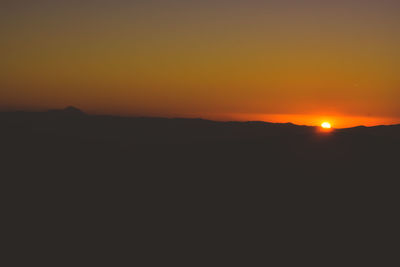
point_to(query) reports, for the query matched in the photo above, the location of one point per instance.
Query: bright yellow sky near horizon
(302, 62)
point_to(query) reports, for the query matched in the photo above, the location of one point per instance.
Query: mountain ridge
(74, 111)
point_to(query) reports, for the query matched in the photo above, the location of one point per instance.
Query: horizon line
(190, 118)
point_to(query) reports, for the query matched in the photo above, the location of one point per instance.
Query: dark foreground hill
(194, 192)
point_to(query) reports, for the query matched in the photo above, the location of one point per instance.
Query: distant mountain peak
(74, 110)
(70, 110)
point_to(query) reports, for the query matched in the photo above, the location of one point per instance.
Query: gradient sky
(302, 61)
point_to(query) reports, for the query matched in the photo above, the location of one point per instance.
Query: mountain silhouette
(70, 111)
(189, 185)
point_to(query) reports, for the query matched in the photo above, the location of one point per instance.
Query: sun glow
(326, 125)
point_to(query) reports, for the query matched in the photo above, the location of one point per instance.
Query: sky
(302, 61)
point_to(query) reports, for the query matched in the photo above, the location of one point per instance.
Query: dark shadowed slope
(177, 190)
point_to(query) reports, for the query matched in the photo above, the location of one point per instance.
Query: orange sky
(299, 61)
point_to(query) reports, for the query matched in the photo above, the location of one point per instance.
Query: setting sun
(326, 125)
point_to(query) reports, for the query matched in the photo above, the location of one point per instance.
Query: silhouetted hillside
(174, 182)
(224, 143)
